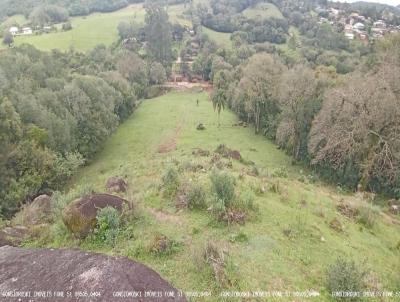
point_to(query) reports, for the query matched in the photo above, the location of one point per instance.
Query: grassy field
(263, 11)
(222, 39)
(97, 28)
(262, 256)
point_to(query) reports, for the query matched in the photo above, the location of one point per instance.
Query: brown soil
(74, 271)
(169, 144)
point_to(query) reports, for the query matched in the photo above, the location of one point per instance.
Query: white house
(14, 30)
(349, 35)
(359, 26)
(27, 31)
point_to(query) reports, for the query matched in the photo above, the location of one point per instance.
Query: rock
(80, 215)
(77, 271)
(201, 127)
(13, 236)
(116, 185)
(39, 211)
(394, 209)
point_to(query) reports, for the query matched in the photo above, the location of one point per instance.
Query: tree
(258, 90)
(8, 39)
(125, 30)
(355, 133)
(298, 99)
(157, 74)
(158, 32)
(219, 97)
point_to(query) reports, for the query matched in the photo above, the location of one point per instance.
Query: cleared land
(97, 28)
(263, 11)
(222, 39)
(288, 245)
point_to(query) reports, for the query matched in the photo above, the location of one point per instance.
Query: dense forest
(56, 109)
(343, 127)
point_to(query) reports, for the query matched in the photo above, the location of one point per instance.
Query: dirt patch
(165, 217)
(347, 210)
(169, 144)
(78, 271)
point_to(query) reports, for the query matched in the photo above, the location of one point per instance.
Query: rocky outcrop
(75, 273)
(80, 215)
(116, 185)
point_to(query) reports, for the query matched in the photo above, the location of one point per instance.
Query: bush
(161, 245)
(223, 186)
(367, 216)
(345, 276)
(171, 181)
(196, 197)
(108, 224)
(246, 202)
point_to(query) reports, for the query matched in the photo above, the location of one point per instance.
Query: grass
(97, 28)
(268, 259)
(19, 20)
(222, 39)
(263, 11)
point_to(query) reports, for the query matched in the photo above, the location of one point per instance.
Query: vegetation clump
(161, 245)
(171, 181)
(367, 216)
(108, 226)
(196, 197)
(345, 276)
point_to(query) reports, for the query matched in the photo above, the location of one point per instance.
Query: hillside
(96, 28)
(287, 245)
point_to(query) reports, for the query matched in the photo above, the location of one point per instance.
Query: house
(349, 35)
(27, 31)
(380, 24)
(14, 30)
(359, 26)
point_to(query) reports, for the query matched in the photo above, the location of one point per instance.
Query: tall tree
(298, 98)
(219, 97)
(258, 85)
(158, 32)
(8, 39)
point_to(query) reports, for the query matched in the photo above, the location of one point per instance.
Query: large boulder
(116, 185)
(80, 215)
(76, 273)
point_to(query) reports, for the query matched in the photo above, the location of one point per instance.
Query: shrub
(171, 181)
(367, 216)
(345, 276)
(240, 237)
(281, 172)
(246, 202)
(223, 186)
(214, 256)
(108, 224)
(163, 246)
(196, 197)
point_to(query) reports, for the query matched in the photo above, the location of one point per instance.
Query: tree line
(57, 108)
(344, 127)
